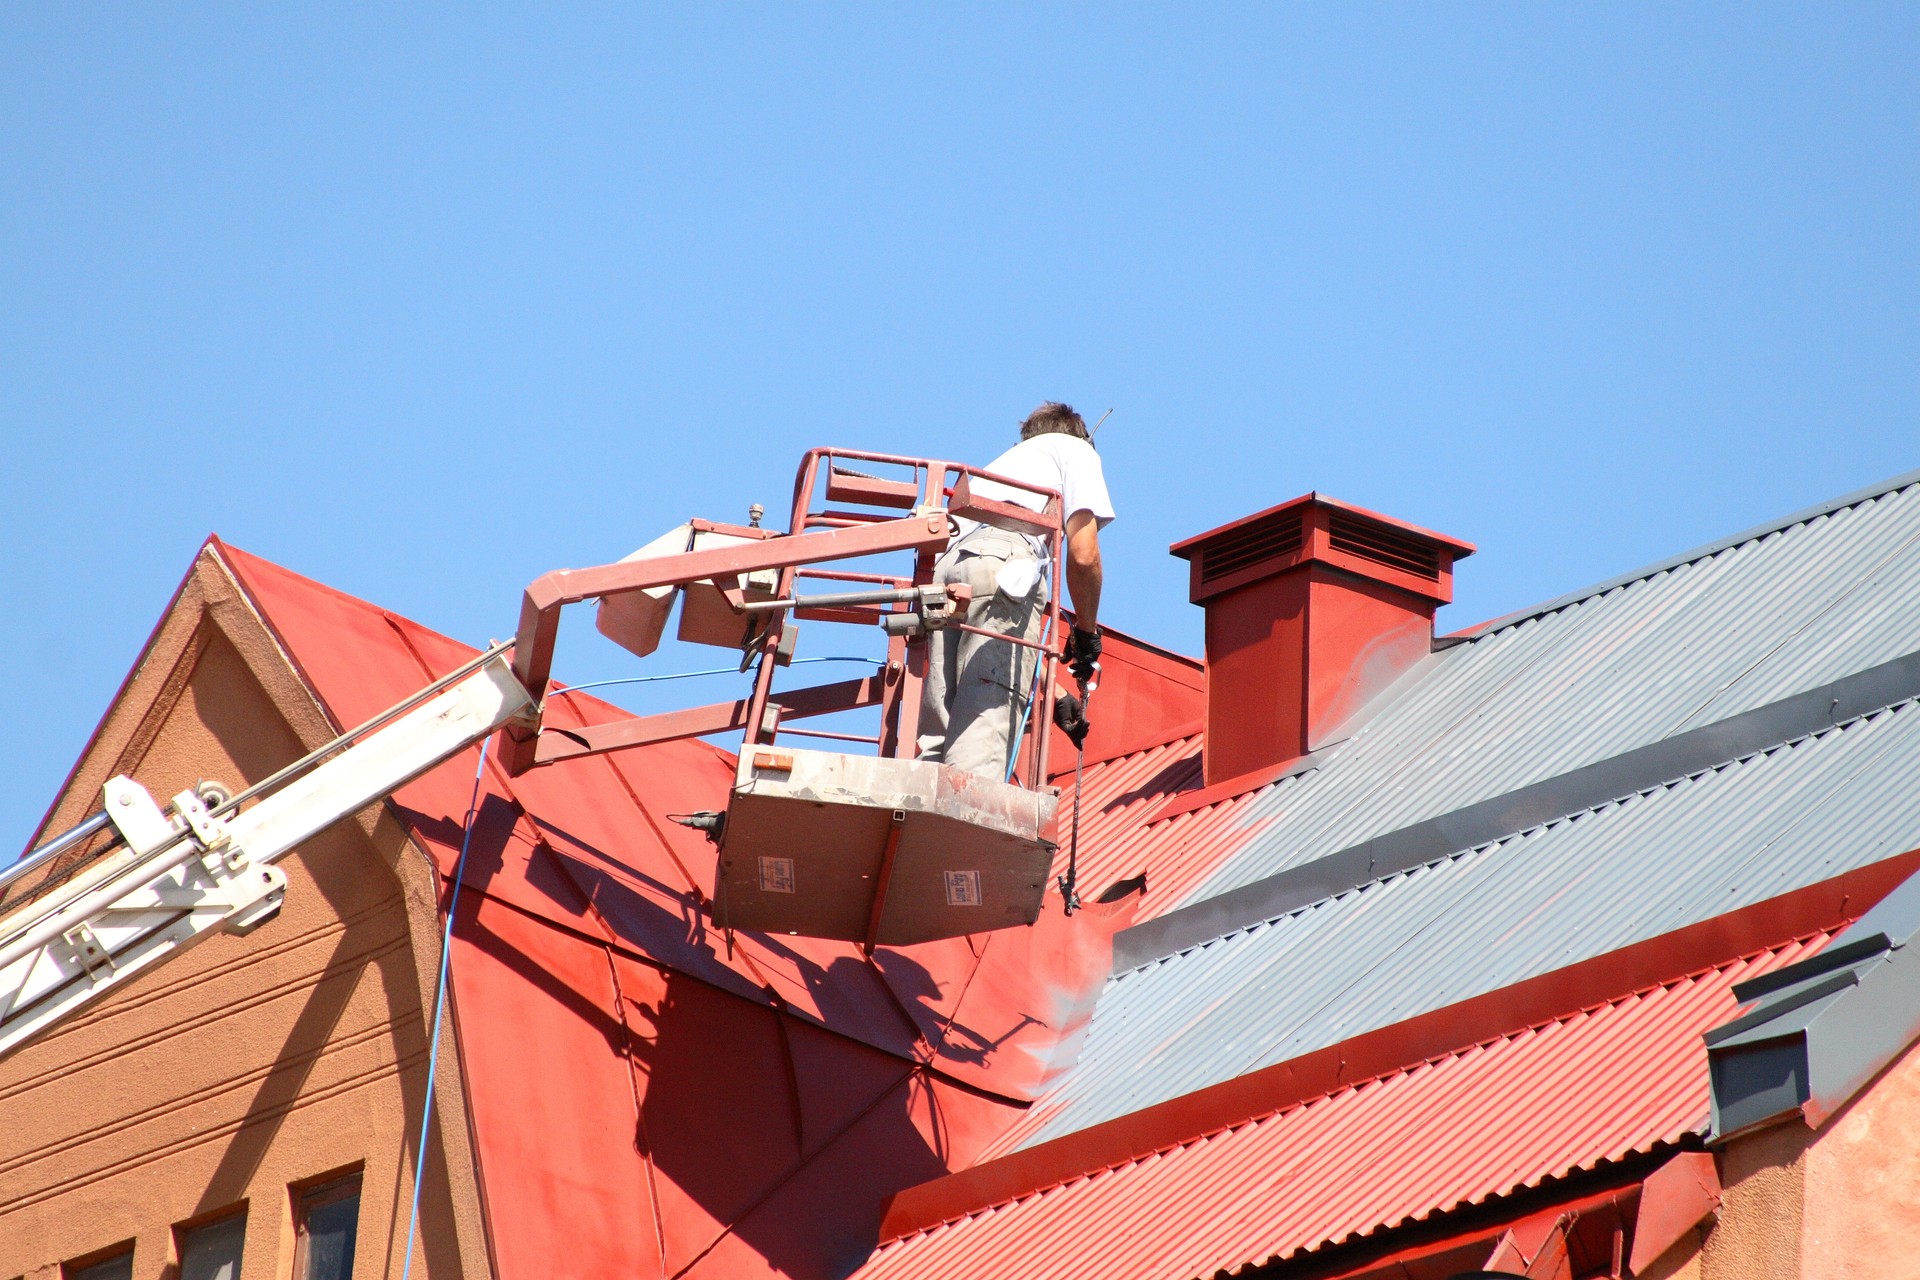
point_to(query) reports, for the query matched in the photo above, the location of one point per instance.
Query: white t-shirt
(1055, 461)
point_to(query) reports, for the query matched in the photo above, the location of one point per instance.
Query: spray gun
(1070, 711)
(1070, 717)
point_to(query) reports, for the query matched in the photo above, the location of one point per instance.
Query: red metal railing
(914, 517)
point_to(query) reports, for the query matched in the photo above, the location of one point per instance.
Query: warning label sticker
(776, 875)
(963, 889)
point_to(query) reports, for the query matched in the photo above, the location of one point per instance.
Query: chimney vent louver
(1383, 544)
(1266, 539)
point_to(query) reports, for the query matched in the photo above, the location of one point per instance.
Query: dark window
(118, 1267)
(212, 1251)
(326, 1223)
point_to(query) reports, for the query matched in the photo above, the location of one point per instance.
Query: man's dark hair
(1054, 417)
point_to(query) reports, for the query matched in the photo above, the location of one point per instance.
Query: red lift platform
(873, 847)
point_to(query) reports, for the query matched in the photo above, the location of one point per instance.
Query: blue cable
(1019, 729)
(439, 1007)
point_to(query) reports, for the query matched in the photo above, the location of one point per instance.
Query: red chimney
(1313, 607)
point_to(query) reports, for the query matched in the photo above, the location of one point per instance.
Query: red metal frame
(938, 492)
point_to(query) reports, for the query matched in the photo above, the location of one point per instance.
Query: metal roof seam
(1602, 808)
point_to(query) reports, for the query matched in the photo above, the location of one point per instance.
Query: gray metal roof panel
(1506, 911)
(1581, 789)
(1758, 531)
(1704, 640)
(1699, 639)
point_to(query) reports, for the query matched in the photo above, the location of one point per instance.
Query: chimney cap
(1186, 547)
(1315, 527)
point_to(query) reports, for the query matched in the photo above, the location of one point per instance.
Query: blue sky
(424, 303)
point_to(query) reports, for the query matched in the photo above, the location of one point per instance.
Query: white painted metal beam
(186, 875)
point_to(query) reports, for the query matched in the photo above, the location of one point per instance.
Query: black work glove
(1070, 717)
(1083, 653)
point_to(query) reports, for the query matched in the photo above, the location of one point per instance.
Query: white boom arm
(177, 879)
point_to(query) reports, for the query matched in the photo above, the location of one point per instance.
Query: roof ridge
(1572, 794)
(232, 555)
(1482, 630)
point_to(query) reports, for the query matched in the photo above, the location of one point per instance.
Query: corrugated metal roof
(1749, 622)
(1592, 1087)
(1688, 645)
(1539, 900)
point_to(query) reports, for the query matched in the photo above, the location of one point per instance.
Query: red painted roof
(1481, 1121)
(645, 1102)
(705, 1113)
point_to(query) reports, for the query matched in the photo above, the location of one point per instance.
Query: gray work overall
(976, 689)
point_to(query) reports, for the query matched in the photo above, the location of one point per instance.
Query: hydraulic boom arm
(176, 879)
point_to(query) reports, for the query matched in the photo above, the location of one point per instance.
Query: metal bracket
(137, 817)
(222, 856)
(88, 950)
(938, 603)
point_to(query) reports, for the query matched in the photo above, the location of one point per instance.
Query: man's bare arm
(1083, 568)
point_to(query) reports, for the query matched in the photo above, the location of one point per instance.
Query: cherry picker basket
(873, 846)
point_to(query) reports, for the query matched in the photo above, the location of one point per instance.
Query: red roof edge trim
(236, 563)
(1228, 789)
(1149, 697)
(1824, 906)
(1168, 663)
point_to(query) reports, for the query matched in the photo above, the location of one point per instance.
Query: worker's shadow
(918, 994)
(788, 1135)
(893, 987)
(575, 872)
(1180, 774)
(649, 915)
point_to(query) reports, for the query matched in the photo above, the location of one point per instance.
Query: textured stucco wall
(249, 1064)
(1863, 1183)
(1762, 1179)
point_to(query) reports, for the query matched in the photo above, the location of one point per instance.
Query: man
(976, 689)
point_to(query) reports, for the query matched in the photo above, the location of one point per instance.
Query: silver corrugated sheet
(1748, 625)
(1532, 697)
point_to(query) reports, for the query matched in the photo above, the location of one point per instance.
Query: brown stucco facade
(253, 1066)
